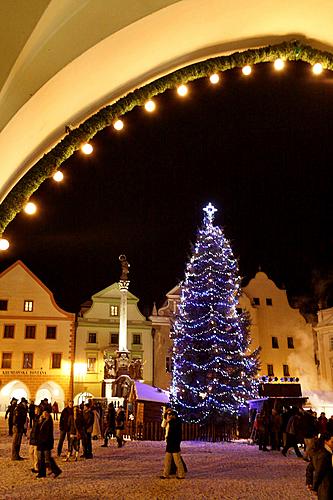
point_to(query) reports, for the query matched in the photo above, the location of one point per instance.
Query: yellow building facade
(286, 340)
(37, 340)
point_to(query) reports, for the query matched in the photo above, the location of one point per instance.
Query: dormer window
(28, 306)
(113, 310)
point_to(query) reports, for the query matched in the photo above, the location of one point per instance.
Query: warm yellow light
(30, 208)
(317, 68)
(214, 78)
(150, 106)
(118, 125)
(246, 70)
(80, 369)
(4, 244)
(87, 149)
(58, 176)
(182, 90)
(65, 368)
(278, 64)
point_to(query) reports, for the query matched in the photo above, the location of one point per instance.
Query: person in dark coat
(120, 426)
(74, 436)
(10, 415)
(88, 420)
(45, 442)
(110, 429)
(293, 434)
(64, 427)
(173, 441)
(323, 470)
(31, 411)
(19, 427)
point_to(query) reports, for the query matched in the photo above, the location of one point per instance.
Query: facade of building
(97, 337)
(37, 340)
(286, 340)
(324, 347)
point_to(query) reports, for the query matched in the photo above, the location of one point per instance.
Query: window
(270, 371)
(114, 338)
(30, 332)
(3, 305)
(286, 371)
(275, 343)
(8, 332)
(28, 306)
(91, 364)
(168, 364)
(56, 360)
(28, 358)
(256, 301)
(92, 338)
(269, 302)
(51, 332)
(6, 361)
(290, 341)
(113, 310)
(136, 338)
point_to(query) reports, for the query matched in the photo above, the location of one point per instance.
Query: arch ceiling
(62, 61)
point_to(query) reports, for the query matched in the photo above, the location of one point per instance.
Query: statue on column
(124, 268)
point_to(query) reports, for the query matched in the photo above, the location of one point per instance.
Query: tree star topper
(210, 211)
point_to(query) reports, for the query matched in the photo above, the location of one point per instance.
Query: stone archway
(14, 389)
(52, 391)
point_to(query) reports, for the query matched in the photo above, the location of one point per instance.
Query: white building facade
(98, 332)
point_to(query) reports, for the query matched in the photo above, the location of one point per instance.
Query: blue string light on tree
(213, 374)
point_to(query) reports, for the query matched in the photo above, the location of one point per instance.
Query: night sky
(259, 148)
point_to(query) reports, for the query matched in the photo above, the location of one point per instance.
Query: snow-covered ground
(216, 471)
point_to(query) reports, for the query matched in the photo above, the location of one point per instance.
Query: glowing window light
(87, 149)
(278, 64)
(30, 208)
(182, 90)
(150, 106)
(4, 244)
(246, 70)
(118, 125)
(214, 78)
(58, 176)
(317, 68)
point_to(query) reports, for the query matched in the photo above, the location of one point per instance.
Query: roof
(147, 392)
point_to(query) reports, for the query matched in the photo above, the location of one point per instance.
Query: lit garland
(211, 371)
(48, 165)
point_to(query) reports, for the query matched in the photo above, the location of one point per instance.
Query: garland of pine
(51, 161)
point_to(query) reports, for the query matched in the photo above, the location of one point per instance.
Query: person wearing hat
(10, 415)
(173, 440)
(19, 426)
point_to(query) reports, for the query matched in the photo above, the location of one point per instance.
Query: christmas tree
(213, 368)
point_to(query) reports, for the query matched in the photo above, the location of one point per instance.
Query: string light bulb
(317, 68)
(30, 208)
(58, 176)
(247, 70)
(214, 78)
(87, 148)
(118, 125)
(150, 106)
(4, 244)
(182, 90)
(278, 64)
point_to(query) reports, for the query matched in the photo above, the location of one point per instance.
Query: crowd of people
(294, 427)
(78, 425)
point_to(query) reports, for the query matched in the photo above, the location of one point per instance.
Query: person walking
(88, 422)
(120, 426)
(10, 415)
(323, 471)
(19, 426)
(31, 412)
(55, 410)
(173, 440)
(110, 424)
(74, 439)
(45, 442)
(33, 452)
(293, 434)
(63, 426)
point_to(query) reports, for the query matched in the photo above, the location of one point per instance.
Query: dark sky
(259, 148)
